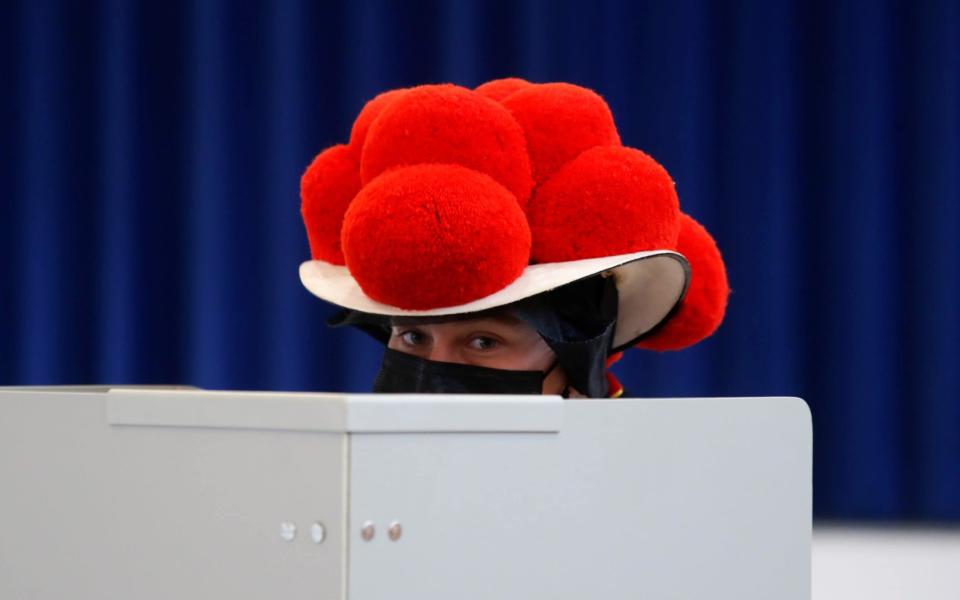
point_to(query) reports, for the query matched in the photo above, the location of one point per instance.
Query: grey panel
(678, 498)
(498, 498)
(90, 511)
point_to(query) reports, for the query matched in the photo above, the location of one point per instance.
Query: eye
(484, 343)
(413, 337)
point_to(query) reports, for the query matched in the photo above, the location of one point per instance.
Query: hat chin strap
(584, 362)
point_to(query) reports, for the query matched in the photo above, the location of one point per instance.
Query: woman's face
(496, 341)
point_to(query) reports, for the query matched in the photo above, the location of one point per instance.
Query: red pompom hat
(449, 201)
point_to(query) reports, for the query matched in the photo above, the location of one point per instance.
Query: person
(504, 240)
(498, 340)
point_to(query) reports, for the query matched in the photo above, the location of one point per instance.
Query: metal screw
(395, 531)
(318, 532)
(288, 531)
(367, 531)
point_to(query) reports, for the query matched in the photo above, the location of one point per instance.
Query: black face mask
(404, 373)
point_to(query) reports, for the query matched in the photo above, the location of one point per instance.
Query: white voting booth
(157, 494)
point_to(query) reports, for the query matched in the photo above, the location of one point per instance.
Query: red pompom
(326, 189)
(448, 124)
(499, 89)
(609, 200)
(371, 110)
(430, 236)
(561, 121)
(702, 309)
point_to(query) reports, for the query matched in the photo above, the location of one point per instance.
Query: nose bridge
(442, 349)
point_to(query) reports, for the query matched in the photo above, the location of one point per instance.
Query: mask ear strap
(552, 367)
(566, 387)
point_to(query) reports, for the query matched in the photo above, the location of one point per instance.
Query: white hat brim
(649, 285)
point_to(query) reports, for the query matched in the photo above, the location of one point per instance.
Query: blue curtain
(150, 233)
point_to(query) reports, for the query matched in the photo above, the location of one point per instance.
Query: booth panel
(683, 499)
(91, 511)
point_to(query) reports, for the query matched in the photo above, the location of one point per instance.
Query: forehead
(498, 321)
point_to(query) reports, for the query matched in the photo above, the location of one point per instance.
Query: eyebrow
(499, 318)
